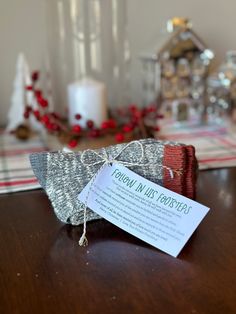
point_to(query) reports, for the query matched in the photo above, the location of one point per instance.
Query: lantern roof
(179, 39)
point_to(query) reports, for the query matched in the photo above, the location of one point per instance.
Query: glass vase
(88, 39)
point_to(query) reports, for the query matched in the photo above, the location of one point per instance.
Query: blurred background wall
(23, 27)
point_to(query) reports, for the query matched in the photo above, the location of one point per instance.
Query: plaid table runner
(215, 146)
(15, 170)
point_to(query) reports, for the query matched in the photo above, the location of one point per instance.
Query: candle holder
(88, 38)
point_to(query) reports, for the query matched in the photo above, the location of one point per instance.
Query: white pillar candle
(88, 98)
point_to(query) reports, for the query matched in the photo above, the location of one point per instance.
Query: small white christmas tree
(17, 109)
(22, 97)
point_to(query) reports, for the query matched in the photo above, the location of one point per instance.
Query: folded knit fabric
(64, 175)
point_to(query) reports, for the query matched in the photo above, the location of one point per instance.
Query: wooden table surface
(43, 270)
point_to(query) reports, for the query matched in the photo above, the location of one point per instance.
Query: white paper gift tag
(147, 210)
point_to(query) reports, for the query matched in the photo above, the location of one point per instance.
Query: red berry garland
(73, 143)
(76, 128)
(105, 125)
(78, 116)
(35, 76)
(127, 128)
(90, 124)
(26, 114)
(45, 119)
(130, 120)
(119, 137)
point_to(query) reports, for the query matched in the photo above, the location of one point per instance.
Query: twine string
(107, 159)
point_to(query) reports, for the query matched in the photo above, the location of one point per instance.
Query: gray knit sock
(63, 175)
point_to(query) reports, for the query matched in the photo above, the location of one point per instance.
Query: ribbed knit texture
(63, 175)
